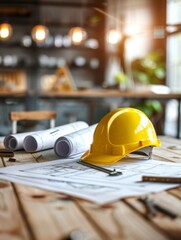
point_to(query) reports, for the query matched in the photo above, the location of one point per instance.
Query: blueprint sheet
(69, 177)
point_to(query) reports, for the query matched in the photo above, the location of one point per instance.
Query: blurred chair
(15, 117)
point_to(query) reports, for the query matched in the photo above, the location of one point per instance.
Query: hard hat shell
(119, 133)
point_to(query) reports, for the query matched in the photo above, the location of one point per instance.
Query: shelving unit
(30, 59)
(59, 18)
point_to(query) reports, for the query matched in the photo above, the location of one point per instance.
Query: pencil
(6, 153)
(161, 179)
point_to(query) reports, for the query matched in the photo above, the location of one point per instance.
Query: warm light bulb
(77, 35)
(131, 30)
(113, 36)
(40, 33)
(5, 31)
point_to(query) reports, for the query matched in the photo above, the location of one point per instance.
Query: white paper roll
(74, 143)
(46, 139)
(15, 141)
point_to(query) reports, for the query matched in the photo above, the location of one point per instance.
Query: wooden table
(92, 96)
(35, 214)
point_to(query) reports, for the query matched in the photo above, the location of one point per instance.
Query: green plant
(150, 107)
(120, 77)
(149, 70)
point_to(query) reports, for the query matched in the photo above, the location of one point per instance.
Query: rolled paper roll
(46, 139)
(74, 143)
(15, 141)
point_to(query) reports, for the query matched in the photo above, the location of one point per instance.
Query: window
(174, 45)
(173, 62)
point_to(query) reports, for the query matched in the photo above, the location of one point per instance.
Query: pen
(161, 179)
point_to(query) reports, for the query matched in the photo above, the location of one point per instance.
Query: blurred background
(49, 46)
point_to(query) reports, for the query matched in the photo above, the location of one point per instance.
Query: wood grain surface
(35, 214)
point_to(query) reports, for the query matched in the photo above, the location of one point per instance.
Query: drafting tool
(151, 211)
(153, 208)
(167, 211)
(161, 179)
(113, 172)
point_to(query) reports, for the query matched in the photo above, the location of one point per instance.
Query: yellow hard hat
(119, 133)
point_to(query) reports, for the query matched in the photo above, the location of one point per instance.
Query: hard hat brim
(99, 158)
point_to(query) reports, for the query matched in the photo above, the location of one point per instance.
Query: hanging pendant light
(113, 36)
(39, 33)
(77, 35)
(5, 31)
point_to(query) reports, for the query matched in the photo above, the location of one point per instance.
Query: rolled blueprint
(74, 143)
(46, 139)
(15, 141)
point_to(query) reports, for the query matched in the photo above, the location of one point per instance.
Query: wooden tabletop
(93, 93)
(35, 214)
(98, 93)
